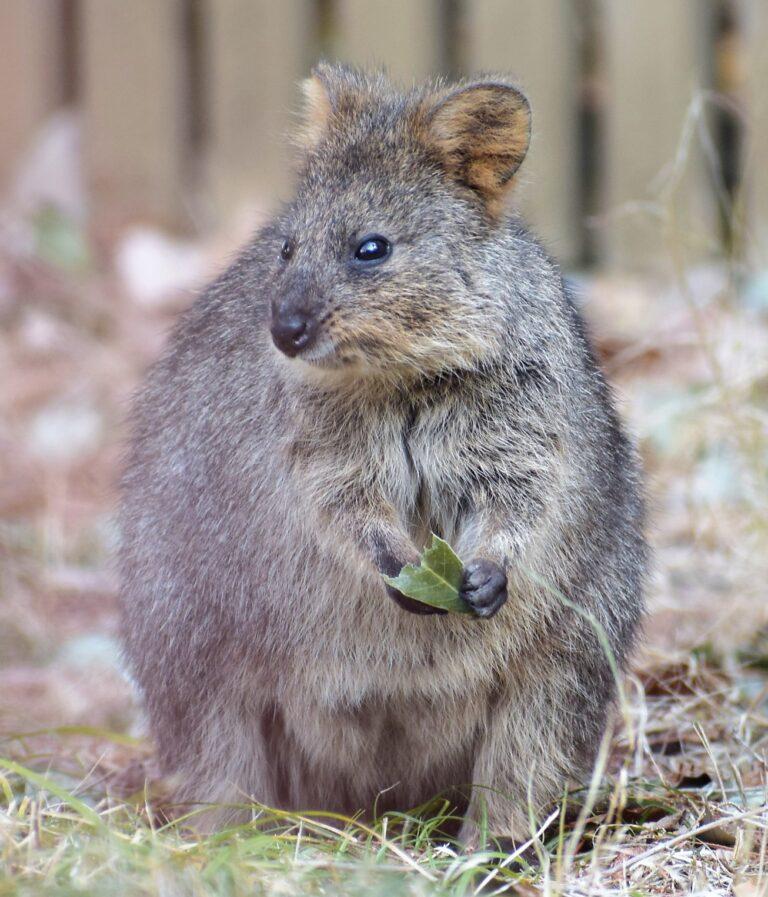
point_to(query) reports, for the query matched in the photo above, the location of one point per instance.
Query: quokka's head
(382, 262)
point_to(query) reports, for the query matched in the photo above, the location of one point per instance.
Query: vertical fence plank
(30, 75)
(658, 199)
(405, 36)
(754, 29)
(256, 52)
(536, 42)
(134, 108)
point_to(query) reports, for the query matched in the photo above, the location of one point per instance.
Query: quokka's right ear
(317, 108)
(481, 132)
(331, 92)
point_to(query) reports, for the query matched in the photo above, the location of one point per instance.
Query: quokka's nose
(293, 330)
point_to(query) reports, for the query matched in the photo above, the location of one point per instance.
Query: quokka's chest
(418, 463)
(425, 476)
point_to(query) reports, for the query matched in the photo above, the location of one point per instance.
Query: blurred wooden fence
(186, 103)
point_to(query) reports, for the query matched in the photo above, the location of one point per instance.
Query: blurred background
(142, 141)
(174, 113)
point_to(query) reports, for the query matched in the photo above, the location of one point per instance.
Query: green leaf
(435, 581)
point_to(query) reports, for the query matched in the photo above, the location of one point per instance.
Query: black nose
(293, 330)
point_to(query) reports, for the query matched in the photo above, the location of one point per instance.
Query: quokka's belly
(379, 755)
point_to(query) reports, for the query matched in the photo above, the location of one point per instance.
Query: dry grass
(679, 804)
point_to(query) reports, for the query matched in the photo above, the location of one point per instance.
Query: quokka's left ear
(481, 132)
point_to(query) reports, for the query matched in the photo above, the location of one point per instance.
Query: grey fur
(452, 389)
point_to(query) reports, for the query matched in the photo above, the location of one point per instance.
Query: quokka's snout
(305, 314)
(296, 317)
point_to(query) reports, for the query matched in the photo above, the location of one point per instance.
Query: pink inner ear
(317, 110)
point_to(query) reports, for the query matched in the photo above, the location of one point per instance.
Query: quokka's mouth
(321, 354)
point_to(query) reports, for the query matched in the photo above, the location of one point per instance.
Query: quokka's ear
(482, 132)
(331, 91)
(317, 107)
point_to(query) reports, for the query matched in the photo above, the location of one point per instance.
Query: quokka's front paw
(484, 587)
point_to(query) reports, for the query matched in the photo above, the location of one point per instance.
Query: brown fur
(483, 132)
(449, 389)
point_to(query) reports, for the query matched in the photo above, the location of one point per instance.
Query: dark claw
(413, 607)
(484, 587)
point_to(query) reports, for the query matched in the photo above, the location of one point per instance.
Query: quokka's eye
(286, 250)
(373, 249)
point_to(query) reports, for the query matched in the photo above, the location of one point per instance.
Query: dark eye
(372, 249)
(286, 250)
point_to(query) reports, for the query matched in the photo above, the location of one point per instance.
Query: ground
(679, 804)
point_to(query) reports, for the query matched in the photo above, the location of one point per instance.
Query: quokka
(393, 355)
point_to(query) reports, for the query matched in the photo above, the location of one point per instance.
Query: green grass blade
(45, 784)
